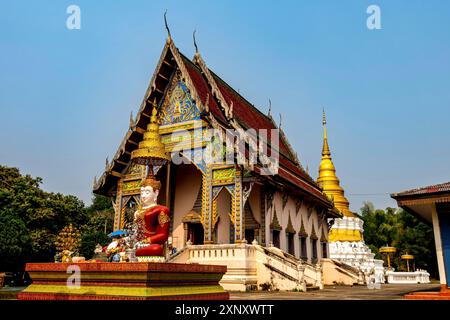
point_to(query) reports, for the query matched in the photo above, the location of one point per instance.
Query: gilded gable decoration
(224, 176)
(290, 227)
(179, 106)
(215, 191)
(250, 221)
(275, 225)
(230, 188)
(302, 232)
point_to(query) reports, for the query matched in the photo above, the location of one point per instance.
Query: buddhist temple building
(346, 240)
(270, 228)
(431, 204)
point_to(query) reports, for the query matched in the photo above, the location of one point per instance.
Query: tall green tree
(396, 227)
(30, 219)
(100, 223)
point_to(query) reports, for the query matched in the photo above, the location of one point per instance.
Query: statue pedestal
(124, 281)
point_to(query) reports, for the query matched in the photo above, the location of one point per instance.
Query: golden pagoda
(328, 181)
(151, 150)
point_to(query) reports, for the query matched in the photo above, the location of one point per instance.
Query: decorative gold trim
(215, 215)
(205, 202)
(290, 227)
(117, 207)
(275, 224)
(187, 126)
(214, 88)
(163, 218)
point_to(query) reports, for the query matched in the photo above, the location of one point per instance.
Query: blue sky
(66, 95)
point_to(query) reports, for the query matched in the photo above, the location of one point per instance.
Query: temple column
(207, 206)
(438, 244)
(118, 206)
(239, 227)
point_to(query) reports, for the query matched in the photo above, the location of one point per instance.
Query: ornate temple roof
(218, 103)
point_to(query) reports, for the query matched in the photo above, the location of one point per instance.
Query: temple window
(276, 229)
(276, 238)
(324, 250)
(314, 250)
(290, 243)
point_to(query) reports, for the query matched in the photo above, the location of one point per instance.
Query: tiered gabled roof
(218, 103)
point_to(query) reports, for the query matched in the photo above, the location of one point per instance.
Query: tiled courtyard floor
(387, 292)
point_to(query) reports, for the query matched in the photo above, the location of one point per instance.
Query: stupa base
(124, 281)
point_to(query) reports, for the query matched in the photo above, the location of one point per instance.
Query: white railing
(253, 267)
(313, 275)
(419, 276)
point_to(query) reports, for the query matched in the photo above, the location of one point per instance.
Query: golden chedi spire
(330, 184)
(151, 150)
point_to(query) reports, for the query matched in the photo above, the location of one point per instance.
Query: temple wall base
(253, 267)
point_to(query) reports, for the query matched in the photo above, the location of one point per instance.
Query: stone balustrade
(253, 267)
(418, 276)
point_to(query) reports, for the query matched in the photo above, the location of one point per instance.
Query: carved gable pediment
(178, 105)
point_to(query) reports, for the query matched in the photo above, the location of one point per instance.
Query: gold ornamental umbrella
(388, 251)
(407, 257)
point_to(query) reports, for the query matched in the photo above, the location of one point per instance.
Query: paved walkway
(387, 292)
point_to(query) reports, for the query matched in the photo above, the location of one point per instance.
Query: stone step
(310, 287)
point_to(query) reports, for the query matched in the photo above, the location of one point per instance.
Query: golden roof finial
(326, 148)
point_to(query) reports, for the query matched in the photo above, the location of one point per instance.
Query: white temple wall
(255, 202)
(224, 223)
(188, 182)
(296, 218)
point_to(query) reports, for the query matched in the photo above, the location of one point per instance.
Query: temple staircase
(340, 273)
(253, 267)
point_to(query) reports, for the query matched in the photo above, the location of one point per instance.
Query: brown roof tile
(443, 187)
